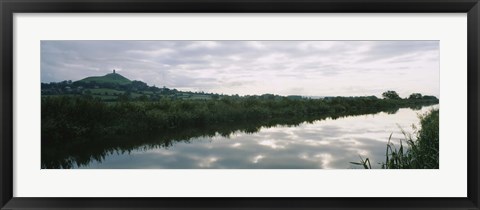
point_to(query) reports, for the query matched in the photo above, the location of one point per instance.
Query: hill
(113, 78)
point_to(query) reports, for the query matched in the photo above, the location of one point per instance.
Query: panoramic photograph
(234, 104)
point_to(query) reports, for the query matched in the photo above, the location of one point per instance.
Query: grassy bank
(69, 117)
(419, 152)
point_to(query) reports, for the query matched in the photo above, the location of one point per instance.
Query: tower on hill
(114, 71)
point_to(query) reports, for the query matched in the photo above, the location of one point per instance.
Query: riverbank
(413, 152)
(71, 125)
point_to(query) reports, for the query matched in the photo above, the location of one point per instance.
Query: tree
(143, 98)
(391, 95)
(415, 96)
(139, 85)
(124, 97)
(430, 98)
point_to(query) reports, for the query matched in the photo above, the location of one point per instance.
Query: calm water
(328, 144)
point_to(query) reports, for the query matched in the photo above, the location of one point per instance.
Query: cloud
(254, 67)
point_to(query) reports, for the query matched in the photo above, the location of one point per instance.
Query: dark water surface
(328, 144)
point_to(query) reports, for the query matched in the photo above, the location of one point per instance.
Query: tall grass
(365, 163)
(419, 153)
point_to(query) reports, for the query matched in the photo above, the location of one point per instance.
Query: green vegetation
(114, 87)
(70, 123)
(365, 163)
(105, 91)
(87, 119)
(391, 95)
(422, 153)
(72, 117)
(112, 78)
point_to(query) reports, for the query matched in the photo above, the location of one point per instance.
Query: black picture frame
(9, 7)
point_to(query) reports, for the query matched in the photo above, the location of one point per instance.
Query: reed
(419, 153)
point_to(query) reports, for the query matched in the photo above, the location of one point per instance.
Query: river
(323, 144)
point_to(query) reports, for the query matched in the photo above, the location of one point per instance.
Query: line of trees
(414, 96)
(69, 117)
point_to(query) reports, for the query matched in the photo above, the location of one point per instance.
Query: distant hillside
(113, 78)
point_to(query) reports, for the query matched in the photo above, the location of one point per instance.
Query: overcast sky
(310, 68)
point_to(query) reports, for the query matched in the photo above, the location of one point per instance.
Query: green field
(104, 91)
(112, 78)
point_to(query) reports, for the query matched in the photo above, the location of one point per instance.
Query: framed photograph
(239, 104)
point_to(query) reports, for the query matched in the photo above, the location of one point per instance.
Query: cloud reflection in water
(328, 144)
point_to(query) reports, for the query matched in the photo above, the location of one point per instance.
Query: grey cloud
(391, 49)
(200, 65)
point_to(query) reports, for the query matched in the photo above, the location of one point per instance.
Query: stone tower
(114, 71)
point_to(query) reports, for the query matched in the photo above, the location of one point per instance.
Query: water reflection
(329, 143)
